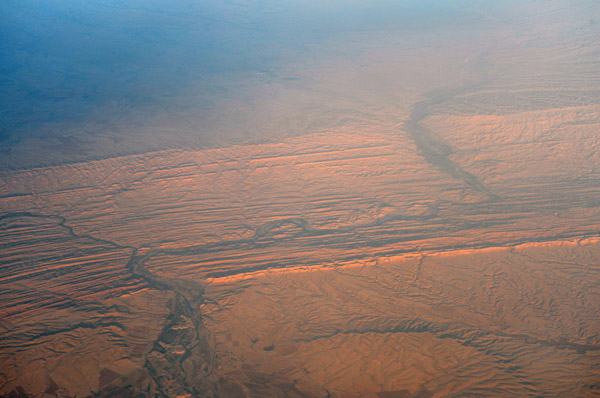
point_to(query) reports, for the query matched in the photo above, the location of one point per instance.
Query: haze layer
(259, 201)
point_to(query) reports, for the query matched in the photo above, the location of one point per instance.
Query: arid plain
(414, 215)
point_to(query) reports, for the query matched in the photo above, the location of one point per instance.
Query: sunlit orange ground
(343, 261)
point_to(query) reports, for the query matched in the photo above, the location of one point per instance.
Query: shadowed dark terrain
(299, 199)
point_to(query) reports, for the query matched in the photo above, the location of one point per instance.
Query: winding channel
(435, 151)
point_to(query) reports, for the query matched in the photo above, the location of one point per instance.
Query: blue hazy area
(62, 59)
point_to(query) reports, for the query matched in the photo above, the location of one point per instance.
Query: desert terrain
(412, 212)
